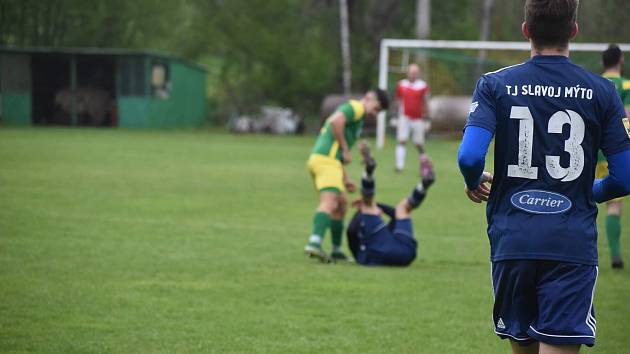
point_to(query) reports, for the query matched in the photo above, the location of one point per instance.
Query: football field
(183, 242)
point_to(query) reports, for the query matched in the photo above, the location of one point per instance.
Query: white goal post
(388, 44)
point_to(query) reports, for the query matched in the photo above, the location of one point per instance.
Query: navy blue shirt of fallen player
(549, 117)
(372, 242)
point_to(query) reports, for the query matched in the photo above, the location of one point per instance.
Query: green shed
(100, 87)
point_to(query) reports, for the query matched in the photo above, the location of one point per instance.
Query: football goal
(451, 68)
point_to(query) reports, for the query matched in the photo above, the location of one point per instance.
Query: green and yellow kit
(325, 162)
(623, 89)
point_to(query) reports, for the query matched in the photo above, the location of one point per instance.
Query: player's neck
(612, 72)
(550, 51)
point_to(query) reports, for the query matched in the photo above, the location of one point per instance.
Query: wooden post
(423, 18)
(345, 46)
(484, 34)
(423, 31)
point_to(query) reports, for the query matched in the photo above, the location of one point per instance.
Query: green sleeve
(347, 111)
(625, 92)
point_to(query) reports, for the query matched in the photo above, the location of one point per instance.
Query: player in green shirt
(330, 153)
(612, 59)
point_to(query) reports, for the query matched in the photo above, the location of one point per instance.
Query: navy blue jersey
(549, 117)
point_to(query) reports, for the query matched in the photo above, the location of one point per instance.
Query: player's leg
(327, 174)
(322, 220)
(565, 317)
(420, 129)
(368, 185)
(613, 232)
(613, 218)
(336, 228)
(418, 132)
(558, 349)
(532, 348)
(415, 198)
(515, 307)
(402, 135)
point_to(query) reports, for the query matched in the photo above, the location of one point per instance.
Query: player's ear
(574, 30)
(525, 30)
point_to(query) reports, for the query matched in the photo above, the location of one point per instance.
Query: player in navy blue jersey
(373, 242)
(548, 117)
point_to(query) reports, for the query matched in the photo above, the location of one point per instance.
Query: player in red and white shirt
(412, 94)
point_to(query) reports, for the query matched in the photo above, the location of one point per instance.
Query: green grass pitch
(163, 242)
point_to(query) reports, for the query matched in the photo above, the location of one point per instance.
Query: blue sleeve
(617, 183)
(483, 109)
(472, 154)
(615, 127)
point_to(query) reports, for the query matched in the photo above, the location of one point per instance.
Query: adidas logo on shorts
(500, 324)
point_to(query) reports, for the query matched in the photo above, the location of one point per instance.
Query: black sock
(428, 181)
(417, 196)
(367, 185)
(370, 166)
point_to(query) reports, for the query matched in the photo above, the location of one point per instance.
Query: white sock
(336, 248)
(315, 239)
(400, 156)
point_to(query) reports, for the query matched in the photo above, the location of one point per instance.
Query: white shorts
(418, 128)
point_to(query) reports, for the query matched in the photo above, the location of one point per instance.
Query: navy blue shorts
(383, 245)
(545, 301)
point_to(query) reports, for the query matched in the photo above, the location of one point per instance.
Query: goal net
(452, 68)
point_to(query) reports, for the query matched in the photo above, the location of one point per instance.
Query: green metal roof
(99, 51)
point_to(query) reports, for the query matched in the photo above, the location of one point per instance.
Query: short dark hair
(550, 21)
(611, 56)
(383, 98)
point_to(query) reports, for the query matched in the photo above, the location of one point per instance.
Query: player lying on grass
(371, 241)
(330, 153)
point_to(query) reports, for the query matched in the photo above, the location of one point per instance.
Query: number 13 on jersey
(573, 145)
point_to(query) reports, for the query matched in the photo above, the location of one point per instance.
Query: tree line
(284, 52)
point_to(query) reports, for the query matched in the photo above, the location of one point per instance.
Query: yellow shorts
(601, 171)
(327, 172)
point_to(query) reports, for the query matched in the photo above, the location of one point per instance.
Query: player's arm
(617, 183)
(338, 124)
(472, 159)
(616, 147)
(480, 127)
(348, 183)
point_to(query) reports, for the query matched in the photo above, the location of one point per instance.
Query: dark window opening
(93, 99)
(51, 74)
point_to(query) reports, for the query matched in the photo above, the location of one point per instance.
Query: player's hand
(347, 158)
(481, 193)
(351, 187)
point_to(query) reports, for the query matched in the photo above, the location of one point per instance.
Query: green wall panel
(185, 106)
(133, 112)
(16, 108)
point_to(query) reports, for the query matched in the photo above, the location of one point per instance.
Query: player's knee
(402, 142)
(614, 208)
